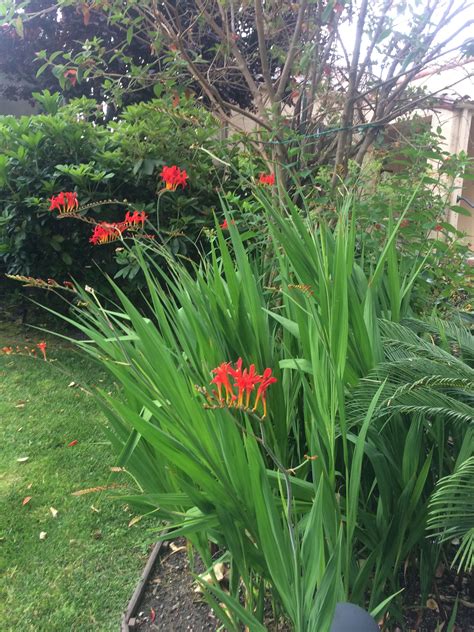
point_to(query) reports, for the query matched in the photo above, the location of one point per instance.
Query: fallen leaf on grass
(72, 384)
(23, 459)
(134, 520)
(69, 445)
(21, 405)
(152, 616)
(54, 512)
(95, 509)
(26, 500)
(431, 604)
(91, 490)
(43, 535)
(117, 469)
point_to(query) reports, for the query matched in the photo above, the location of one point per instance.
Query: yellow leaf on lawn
(91, 490)
(134, 520)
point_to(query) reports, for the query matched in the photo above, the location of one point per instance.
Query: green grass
(83, 574)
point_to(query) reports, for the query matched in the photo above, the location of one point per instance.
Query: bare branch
(292, 50)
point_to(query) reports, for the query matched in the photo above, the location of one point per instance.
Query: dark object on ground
(350, 617)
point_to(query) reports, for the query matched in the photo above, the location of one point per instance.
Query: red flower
(404, 223)
(42, 347)
(244, 380)
(267, 178)
(438, 228)
(105, 232)
(68, 284)
(71, 75)
(64, 202)
(225, 225)
(174, 177)
(73, 443)
(222, 380)
(265, 381)
(7, 350)
(132, 220)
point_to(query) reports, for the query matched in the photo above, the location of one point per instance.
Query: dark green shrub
(68, 149)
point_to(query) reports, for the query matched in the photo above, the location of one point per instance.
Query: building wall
(466, 224)
(458, 129)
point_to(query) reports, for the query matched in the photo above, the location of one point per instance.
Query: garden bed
(166, 599)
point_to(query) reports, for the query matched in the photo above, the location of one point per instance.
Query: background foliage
(66, 149)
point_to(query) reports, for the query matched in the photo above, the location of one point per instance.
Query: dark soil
(439, 606)
(170, 603)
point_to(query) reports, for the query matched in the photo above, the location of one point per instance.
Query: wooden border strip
(128, 618)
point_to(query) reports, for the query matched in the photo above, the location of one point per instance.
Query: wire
(326, 132)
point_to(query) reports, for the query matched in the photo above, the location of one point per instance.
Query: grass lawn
(82, 575)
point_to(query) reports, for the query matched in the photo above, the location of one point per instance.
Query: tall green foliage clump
(326, 497)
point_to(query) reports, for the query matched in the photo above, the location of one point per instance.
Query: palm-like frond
(451, 512)
(421, 377)
(454, 331)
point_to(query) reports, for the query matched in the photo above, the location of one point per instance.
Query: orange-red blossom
(173, 177)
(42, 347)
(267, 178)
(105, 232)
(236, 385)
(65, 202)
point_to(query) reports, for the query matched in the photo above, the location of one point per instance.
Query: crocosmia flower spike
(105, 232)
(65, 202)
(174, 177)
(135, 220)
(267, 178)
(235, 386)
(42, 347)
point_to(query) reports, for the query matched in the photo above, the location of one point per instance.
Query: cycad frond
(455, 331)
(451, 512)
(421, 378)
